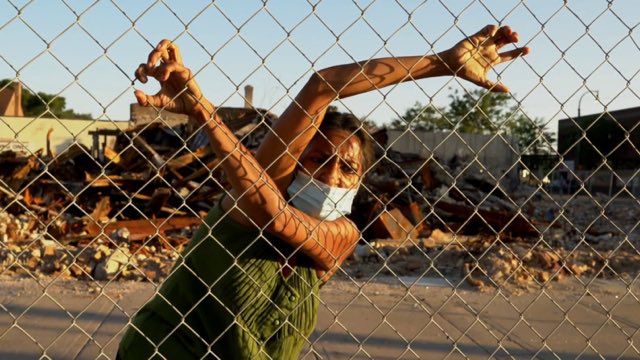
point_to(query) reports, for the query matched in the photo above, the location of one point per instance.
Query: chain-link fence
(490, 224)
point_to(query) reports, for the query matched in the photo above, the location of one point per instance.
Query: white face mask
(318, 199)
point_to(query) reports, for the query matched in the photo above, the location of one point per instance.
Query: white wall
(494, 154)
(18, 133)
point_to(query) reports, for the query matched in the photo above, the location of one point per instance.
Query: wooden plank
(186, 159)
(158, 200)
(498, 220)
(142, 229)
(112, 155)
(102, 209)
(393, 224)
(17, 178)
(210, 166)
(155, 158)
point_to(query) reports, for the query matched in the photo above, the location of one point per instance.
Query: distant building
(495, 156)
(28, 134)
(593, 145)
(614, 135)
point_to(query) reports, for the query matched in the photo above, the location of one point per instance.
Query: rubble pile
(124, 211)
(450, 222)
(102, 259)
(127, 211)
(582, 240)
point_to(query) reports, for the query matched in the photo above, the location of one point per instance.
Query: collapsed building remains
(126, 211)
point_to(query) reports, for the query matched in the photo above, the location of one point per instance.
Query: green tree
(530, 133)
(480, 112)
(45, 105)
(421, 117)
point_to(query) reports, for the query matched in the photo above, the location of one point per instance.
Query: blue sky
(95, 46)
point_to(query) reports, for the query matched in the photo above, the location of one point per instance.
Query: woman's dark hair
(334, 120)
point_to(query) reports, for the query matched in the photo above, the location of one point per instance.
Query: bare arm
(470, 59)
(256, 198)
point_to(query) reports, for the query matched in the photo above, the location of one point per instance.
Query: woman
(247, 284)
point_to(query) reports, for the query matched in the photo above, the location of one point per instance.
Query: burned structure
(124, 207)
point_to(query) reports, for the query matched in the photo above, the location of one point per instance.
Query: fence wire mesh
(490, 224)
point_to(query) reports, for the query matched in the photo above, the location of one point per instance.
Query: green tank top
(227, 298)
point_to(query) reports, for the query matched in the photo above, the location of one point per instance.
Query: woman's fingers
(141, 97)
(498, 36)
(486, 33)
(492, 86)
(174, 53)
(179, 91)
(502, 37)
(159, 53)
(163, 72)
(512, 54)
(141, 73)
(499, 87)
(154, 57)
(148, 100)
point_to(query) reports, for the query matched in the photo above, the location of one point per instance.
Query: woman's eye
(348, 169)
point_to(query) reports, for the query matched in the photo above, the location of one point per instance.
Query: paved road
(385, 319)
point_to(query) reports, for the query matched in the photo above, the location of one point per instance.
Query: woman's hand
(179, 92)
(472, 58)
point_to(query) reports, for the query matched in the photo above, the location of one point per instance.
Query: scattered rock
(117, 261)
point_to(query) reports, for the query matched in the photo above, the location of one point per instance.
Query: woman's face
(335, 159)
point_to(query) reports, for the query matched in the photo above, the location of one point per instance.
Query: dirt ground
(382, 318)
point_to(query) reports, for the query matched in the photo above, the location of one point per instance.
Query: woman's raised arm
(255, 198)
(470, 59)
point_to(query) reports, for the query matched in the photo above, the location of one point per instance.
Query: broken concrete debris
(113, 263)
(127, 211)
(121, 212)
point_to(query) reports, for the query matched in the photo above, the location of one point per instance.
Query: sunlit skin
(259, 182)
(334, 158)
